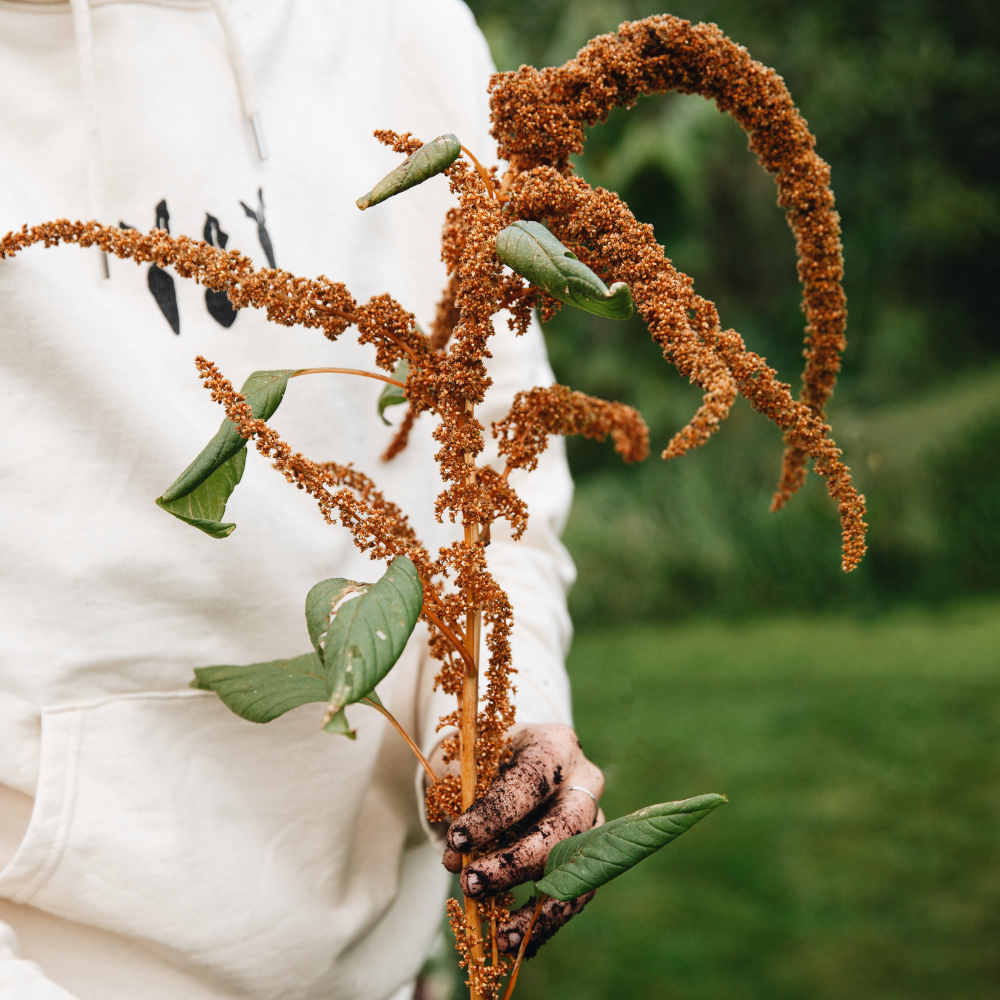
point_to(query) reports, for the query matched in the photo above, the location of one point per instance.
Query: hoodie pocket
(232, 846)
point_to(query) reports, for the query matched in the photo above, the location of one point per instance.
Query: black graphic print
(258, 217)
(218, 304)
(160, 283)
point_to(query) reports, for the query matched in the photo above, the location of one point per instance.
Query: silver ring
(580, 788)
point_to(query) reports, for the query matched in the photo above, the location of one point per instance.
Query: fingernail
(475, 883)
(459, 839)
(513, 939)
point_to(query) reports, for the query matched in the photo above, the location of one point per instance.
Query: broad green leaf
(430, 159)
(263, 392)
(261, 692)
(204, 506)
(321, 607)
(579, 864)
(366, 634)
(534, 253)
(393, 395)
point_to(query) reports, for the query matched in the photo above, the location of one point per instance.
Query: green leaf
(430, 159)
(199, 494)
(261, 692)
(321, 607)
(393, 395)
(579, 864)
(339, 726)
(366, 634)
(534, 253)
(204, 506)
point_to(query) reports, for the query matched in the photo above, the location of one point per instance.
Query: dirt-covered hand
(546, 792)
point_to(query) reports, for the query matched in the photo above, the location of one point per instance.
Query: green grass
(859, 856)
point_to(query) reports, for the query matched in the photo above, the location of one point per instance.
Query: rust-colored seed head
(539, 118)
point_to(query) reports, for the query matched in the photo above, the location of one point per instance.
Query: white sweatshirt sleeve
(20, 979)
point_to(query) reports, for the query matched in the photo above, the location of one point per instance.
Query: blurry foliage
(903, 99)
(859, 853)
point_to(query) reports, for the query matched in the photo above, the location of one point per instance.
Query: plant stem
(468, 720)
(348, 371)
(406, 736)
(523, 948)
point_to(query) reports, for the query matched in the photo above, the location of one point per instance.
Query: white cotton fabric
(153, 844)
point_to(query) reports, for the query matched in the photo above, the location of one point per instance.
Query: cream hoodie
(152, 844)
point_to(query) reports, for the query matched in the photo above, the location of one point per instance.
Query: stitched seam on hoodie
(100, 701)
(64, 823)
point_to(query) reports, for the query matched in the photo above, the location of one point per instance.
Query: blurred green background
(853, 720)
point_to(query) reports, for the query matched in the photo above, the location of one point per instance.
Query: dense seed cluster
(342, 493)
(539, 118)
(535, 415)
(601, 230)
(287, 299)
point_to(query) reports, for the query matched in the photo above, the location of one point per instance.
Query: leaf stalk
(348, 371)
(406, 737)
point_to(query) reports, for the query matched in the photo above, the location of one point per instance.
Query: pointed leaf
(261, 692)
(204, 506)
(430, 159)
(393, 395)
(367, 634)
(579, 864)
(339, 726)
(206, 483)
(534, 253)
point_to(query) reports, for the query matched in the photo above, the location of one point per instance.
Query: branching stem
(450, 636)
(481, 170)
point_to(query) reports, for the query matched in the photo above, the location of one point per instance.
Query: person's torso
(255, 859)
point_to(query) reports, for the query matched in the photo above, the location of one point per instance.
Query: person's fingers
(552, 916)
(545, 758)
(452, 860)
(531, 776)
(572, 812)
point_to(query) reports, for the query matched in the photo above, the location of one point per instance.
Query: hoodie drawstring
(95, 168)
(244, 83)
(83, 32)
